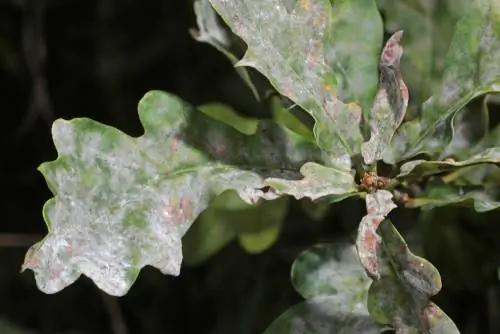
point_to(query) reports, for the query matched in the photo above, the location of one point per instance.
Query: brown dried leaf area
(378, 206)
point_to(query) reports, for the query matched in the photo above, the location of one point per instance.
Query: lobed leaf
(401, 296)
(331, 269)
(471, 70)
(319, 181)
(390, 103)
(438, 194)
(305, 59)
(422, 168)
(322, 314)
(122, 203)
(378, 206)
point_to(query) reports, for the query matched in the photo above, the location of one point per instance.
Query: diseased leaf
(322, 314)
(472, 69)
(306, 61)
(407, 133)
(401, 297)
(428, 27)
(390, 103)
(437, 194)
(319, 181)
(378, 206)
(228, 217)
(122, 203)
(331, 269)
(210, 32)
(421, 168)
(470, 125)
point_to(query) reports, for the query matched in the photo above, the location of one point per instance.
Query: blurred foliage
(101, 56)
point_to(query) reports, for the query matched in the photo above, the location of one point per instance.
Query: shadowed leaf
(421, 168)
(331, 269)
(229, 217)
(401, 297)
(305, 59)
(210, 32)
(390, 103)
(122, 203)
(322, 314)
(437, 194)
(471, 69)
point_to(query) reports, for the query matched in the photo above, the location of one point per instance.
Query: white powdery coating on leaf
(318, 181)
(378, 206)
(296, 66)
(123, 203)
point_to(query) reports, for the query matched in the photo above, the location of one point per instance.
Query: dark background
(70, 58)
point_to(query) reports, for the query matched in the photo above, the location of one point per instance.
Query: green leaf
(319, 181)
(285, 117)
(471, 69)
(322, 314)
(390, 103)
(407, 133)
(228, 217)
(428, 27)
(422, 168)
(378, 206)
(331, 269)
(210, 32)
(122, 203)
(227, 115)
(305, 59)
(470, 126)
(401, 297)
(437, 194)
(262, 233)
(316, 210)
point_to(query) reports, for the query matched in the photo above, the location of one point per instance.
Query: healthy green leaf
(122, 203)
(331, 269)
(390, 103)
(305, 60)
(316, 210)
(283, 116)
(401, 297)
(259, 235)
(228, 217)
(226, 115)
(437, 194)
(322, 314)
(210, 32)
(378, 206)
(319, 181)
(422, 168)
(472, 69)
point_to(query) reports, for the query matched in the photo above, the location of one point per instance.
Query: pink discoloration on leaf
(389, 107)
(378, 206)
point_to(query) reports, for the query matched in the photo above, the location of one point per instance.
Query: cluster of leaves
(122, 203)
